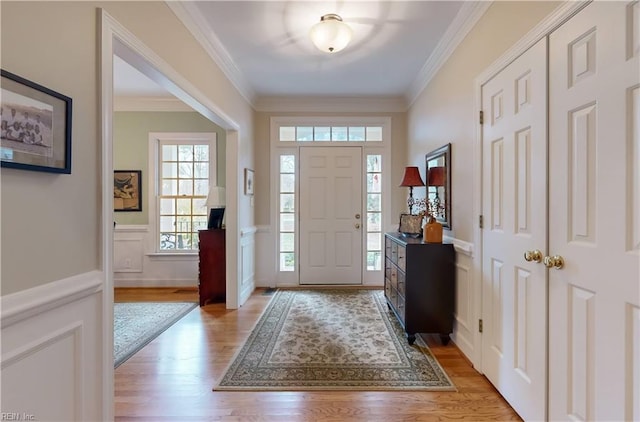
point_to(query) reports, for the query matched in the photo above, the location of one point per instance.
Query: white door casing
(594, 198)
(330, 203)
(514, 145)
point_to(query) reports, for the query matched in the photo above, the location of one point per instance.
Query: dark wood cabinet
(419, 285)
(212, 280)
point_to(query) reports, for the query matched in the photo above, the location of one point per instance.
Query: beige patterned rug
(136, 324)
(332, 340)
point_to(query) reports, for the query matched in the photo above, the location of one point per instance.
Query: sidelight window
(287, 213)
(374, 212)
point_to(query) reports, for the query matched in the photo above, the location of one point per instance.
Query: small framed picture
(410, 225)
(127, 190)
(248, 182)
(36, 126)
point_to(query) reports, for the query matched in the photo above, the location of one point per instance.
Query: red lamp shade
(436, 176)
(411, 177)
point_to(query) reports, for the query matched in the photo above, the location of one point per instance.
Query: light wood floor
(171, 379)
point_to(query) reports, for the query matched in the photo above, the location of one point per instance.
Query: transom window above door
(331, 133)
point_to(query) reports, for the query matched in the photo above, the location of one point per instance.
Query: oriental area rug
(136, 324)
(332, 340)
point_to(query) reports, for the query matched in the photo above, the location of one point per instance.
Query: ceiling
(264, 47)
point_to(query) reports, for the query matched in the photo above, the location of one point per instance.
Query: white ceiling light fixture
(330, 34)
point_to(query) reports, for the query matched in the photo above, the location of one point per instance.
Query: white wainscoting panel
(128, 255)
(265, 257)
(136, 263)
(464, 321)
(248, 262)
(465, 313)
(51, 347)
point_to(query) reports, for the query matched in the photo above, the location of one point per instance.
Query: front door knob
(534, 255)
(357, 225)
(555, 261)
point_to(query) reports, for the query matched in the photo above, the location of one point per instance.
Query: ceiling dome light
(330, 34)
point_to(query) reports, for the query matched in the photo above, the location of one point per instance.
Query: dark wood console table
(212, 280)
(419, 285)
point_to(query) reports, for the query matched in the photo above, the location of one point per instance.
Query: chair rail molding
(28, 303)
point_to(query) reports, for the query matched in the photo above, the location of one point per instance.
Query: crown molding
(192, 19)
(149, 104)
(556, 18)
(317, 104)
(468, 15)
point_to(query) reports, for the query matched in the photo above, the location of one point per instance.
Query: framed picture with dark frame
(127, 190)
(36, 126)
(410, 225)
(248, 182)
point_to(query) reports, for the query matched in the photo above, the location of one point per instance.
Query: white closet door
(330, 215)
(594, 203)
(515, 221)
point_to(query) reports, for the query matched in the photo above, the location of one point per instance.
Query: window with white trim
(184, 171)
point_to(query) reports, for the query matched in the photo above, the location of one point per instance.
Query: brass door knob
(555, 261)
(534, 255)
(357, 225)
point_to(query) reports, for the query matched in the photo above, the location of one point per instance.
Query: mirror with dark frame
(438, 183)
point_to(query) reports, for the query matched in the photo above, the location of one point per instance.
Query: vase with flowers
(432, 229)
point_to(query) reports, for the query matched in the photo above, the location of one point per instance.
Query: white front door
(514, 140)
(594, 202)
(331, 215)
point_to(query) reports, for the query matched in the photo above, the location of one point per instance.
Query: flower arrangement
(427, 208)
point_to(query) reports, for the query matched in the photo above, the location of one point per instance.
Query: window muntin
(374, 212)
(183, 185)
(287, 213)
(331, 133)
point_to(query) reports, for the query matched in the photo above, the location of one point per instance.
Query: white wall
(56, 218)
(51, 225)
(443, 113)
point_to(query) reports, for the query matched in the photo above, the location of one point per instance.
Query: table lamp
(411, 178)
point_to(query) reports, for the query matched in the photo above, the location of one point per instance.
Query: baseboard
(154, 283)
(183, 288)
